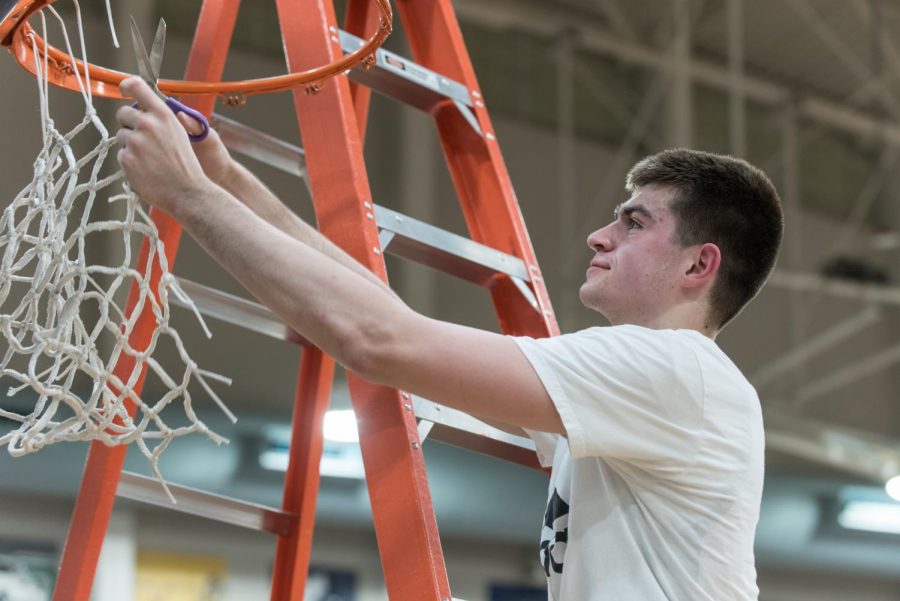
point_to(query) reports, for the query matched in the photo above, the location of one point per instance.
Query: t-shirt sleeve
(544, 444)
(623, 392)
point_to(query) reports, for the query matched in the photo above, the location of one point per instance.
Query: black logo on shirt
(555, 535)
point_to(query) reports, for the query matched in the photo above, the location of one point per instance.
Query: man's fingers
(127, 116)
(137, 88)
(190, 124)
(122, 137)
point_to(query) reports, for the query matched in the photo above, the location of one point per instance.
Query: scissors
(148, 67)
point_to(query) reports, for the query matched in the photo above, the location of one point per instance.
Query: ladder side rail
(93, 506)
(476, 164)
(361, 19)
(301, 485)
(405, 525)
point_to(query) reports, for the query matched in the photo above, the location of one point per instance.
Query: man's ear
(707, 259)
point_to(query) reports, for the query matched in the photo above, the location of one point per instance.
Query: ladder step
(403, 79)
(391, 75)
(207, 505)
(460, 429)
(445, 251)
(237, 311)
(401, 235)
(443, 423)
(257, 145)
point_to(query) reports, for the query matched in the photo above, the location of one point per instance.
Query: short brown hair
(728, 202)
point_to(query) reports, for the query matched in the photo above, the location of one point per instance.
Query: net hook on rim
(17, 35)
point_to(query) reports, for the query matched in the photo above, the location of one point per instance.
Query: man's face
(637, 267)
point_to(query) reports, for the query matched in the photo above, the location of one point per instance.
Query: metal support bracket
(469, 116)
(424, 428)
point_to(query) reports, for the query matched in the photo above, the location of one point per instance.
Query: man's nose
(600, 240)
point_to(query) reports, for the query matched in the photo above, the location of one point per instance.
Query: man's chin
(592, 297)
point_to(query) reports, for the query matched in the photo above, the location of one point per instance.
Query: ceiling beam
(818, 284)
(737, 111)
(868, 455)
(824, 340)
(542, 18)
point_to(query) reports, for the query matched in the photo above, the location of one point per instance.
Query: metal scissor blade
(156, 50)
(143, 61)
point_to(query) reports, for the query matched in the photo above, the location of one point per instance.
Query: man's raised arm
(222, 169)
(356, 320)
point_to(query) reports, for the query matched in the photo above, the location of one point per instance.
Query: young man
(654, 436)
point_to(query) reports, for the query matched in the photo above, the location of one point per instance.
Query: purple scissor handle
(148, 66)
(178, 107)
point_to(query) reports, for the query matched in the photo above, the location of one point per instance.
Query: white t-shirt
(656, 495)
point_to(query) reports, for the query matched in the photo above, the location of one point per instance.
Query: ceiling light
(340, 426)
(340, 458)
(341, 461)
(871, 516)
(892, 488)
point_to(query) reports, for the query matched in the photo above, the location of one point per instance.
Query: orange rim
(17, 35)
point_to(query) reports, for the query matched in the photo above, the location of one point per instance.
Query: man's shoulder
(609, 352)
(632, 338)
(624, 332)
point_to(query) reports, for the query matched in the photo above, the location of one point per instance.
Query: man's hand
(211, 152)
(155, 151)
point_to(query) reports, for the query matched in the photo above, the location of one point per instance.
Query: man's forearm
(314, 294)
(247, 188)
(329, 300)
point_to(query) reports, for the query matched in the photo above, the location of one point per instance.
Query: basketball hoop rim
(17, 35)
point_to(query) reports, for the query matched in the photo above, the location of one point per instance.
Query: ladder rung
(449, 425)
(208, 505)
(403, 79)
(408, 238)
(260, 146)
(237, 311)
(445, 251)
(461, 429)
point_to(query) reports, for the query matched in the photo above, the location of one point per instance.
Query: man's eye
(632, 224)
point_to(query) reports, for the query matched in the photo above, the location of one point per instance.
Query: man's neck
(684, 317)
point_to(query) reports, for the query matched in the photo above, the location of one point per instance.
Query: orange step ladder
(440, 80)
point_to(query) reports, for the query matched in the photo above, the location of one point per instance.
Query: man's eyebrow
(635, 208)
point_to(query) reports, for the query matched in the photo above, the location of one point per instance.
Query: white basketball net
(66, 337)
